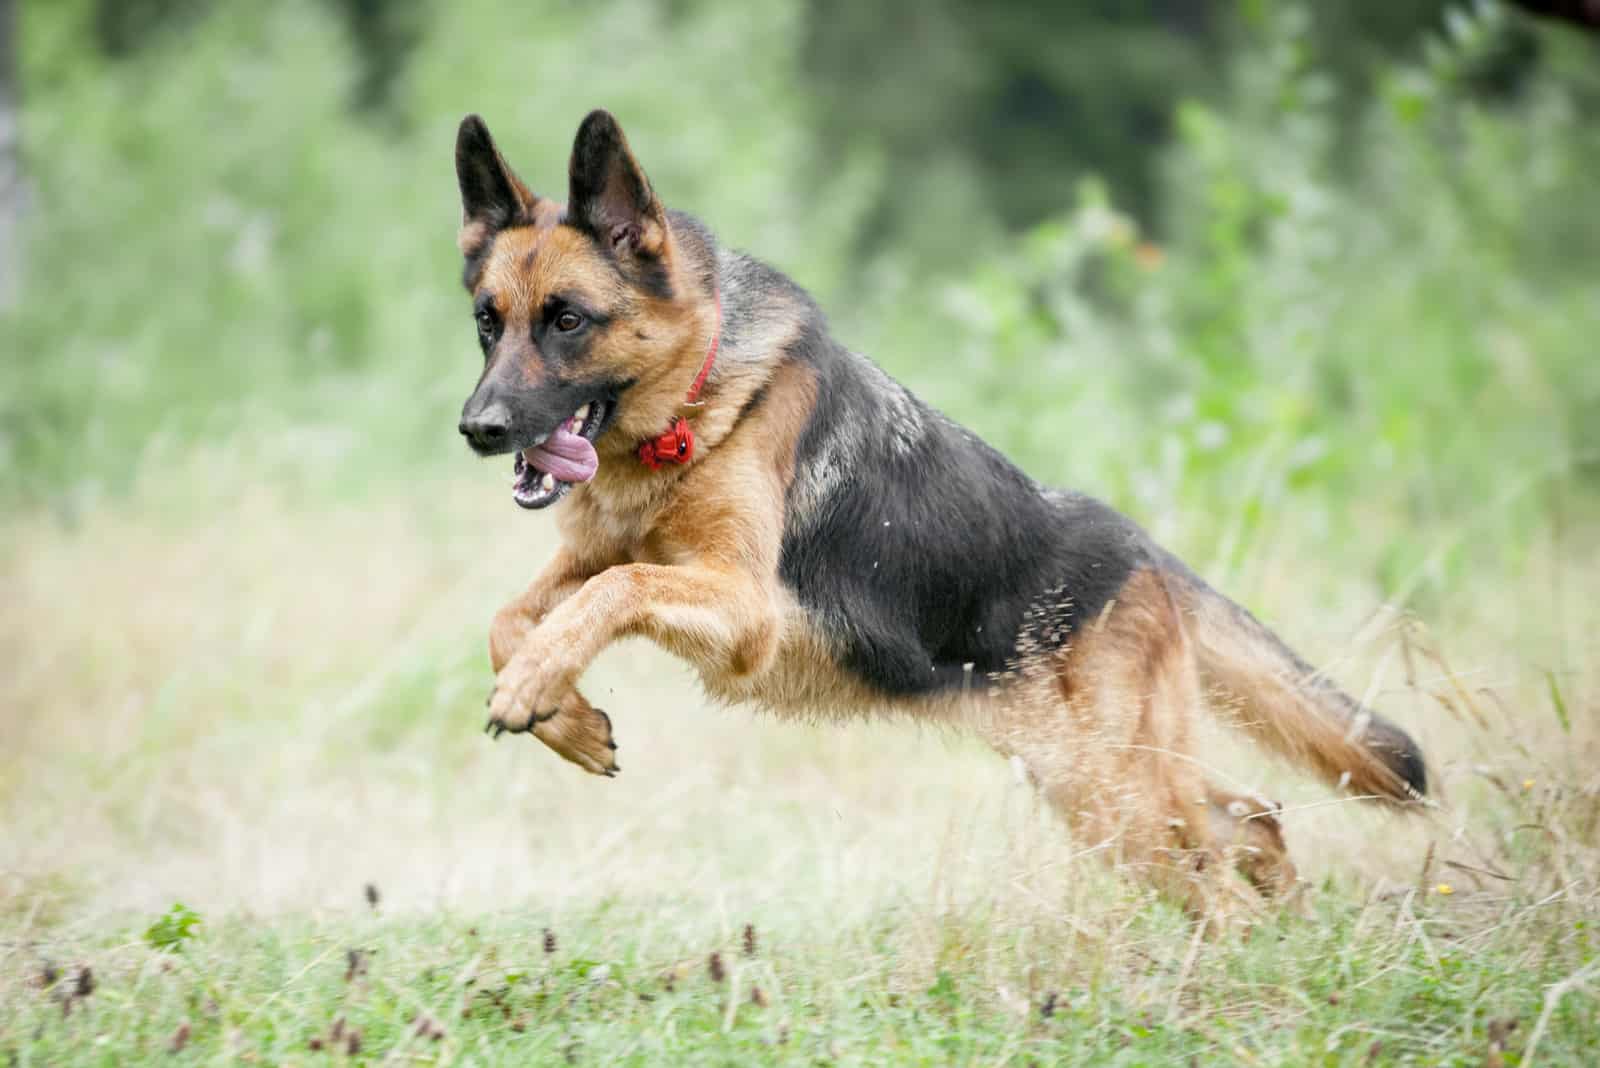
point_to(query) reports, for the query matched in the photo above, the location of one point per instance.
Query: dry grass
(257, 709)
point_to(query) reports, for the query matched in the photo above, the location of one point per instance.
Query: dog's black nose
(487, 428)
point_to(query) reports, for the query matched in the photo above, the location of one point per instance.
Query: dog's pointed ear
(609, 195)
(492, 196)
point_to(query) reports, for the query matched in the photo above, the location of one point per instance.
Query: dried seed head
(83, 986)
(373, 897)
(355, 964)
(758, 997)
(49, 974)
(180, 1038)
(1048, 1008)
(315, 1044)
(715, 968)
(352, 1042)
(520, 1024)
(336, 1032)
(549, 940)
(749, 939)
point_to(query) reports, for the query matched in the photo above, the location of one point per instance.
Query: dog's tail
(1258, 685)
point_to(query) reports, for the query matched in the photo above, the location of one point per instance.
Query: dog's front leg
(723, 620)
(575, 730)
(559, 579)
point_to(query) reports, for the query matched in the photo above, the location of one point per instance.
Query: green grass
(1414, 978)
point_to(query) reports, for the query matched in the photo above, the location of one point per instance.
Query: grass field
(258, 708)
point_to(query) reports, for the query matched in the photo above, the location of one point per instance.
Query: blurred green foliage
(172, 928)
(1405, 342)
(1372, 305)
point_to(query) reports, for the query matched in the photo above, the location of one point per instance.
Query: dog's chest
(614, 522)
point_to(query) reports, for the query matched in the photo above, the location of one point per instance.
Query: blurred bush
(1346, 278)
(1397, 349)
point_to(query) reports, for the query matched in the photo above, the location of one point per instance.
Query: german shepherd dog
(742, 489)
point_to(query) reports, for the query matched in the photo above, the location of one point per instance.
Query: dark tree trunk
(1585, 13)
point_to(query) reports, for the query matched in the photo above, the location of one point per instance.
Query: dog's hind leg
(1246, 829)
(1103, 726)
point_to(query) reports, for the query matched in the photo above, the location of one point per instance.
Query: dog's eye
(485, 322)
(568, 321)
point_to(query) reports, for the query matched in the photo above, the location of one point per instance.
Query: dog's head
(579, 309)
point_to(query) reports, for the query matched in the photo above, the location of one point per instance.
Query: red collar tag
(676, 444)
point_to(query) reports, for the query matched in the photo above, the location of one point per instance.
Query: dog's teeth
(548, 483)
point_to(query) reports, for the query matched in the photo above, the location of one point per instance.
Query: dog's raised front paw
(575, 729)
(581, 733)
(526, 691)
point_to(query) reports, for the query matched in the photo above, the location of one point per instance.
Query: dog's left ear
(609, 195)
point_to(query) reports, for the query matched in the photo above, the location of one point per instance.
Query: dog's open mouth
(545, 470)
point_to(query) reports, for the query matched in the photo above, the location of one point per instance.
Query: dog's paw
(581, 733)
(1247, 830)
(575, 729)
(527, 691)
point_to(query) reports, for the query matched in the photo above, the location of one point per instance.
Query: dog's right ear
(492, 196)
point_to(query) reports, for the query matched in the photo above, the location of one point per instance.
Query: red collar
(675, 445)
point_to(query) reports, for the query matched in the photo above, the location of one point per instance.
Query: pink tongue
(565, 455)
